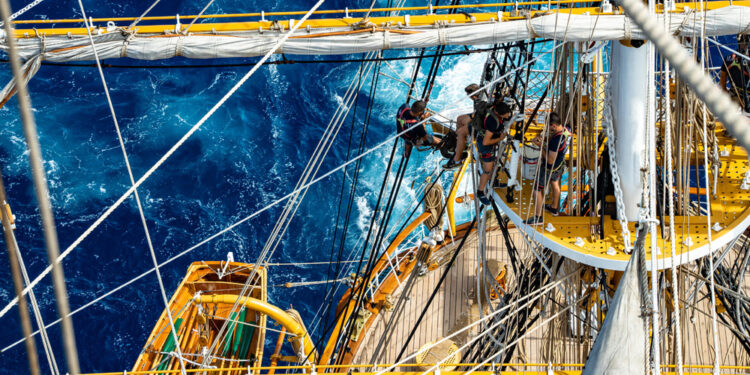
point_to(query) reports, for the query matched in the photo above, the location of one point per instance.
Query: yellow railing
(452, 194)
(301, 339)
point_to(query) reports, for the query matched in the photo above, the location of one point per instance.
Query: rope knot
(530, 27)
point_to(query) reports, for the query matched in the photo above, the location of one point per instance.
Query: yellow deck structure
(578, 237)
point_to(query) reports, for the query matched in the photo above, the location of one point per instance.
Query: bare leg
(555, 185)
(462, 131)
(539, 205)
(488, 167)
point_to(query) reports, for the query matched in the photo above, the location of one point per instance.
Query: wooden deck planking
(456, 296)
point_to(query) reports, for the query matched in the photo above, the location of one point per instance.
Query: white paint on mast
(629, 113)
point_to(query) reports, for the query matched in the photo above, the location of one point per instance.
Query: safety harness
(480, 133)
(403, 124)
(561, 149)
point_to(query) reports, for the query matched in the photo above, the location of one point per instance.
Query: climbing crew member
(493, 132)
(417, 135)
(735, 67)
(551, 164)
(463, 121)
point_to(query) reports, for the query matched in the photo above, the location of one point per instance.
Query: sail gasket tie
(42, 42)
(386, 39)
(441, 36)
(530, 27)
(628, 31)
(124, 48)
(178, 47)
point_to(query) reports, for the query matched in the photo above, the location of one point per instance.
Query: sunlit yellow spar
(38, 27)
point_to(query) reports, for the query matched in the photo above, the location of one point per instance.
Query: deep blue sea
(250, 153)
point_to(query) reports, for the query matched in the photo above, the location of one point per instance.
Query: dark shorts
(423, 142)
(541, 180)
(486, 153)
(415, 135)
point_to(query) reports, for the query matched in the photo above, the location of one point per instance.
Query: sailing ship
(643, 271)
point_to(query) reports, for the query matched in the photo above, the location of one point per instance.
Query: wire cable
(156, 166)
(42, 195)
(135, 192)
(436, 289)
(230, 227)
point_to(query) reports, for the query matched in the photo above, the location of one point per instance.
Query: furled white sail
(620, 347)
(731, 20)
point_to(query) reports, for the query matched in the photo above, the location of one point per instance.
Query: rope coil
(433, 203)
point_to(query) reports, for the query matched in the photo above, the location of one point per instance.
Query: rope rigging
(345, 228)
(209, 238)
(436, 289)
(342, 243)
(367, 120)
(377, 243)
(502, 330)
(328, 300)
(310, 172)
(394, 192)
(361, 294)
(165, 299)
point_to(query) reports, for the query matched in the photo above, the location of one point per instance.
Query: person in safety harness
(736, 69)
(406, 118)
(462, 124)
(493, 131)
(550, 167)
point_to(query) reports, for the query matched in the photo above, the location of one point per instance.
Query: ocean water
(250, 153)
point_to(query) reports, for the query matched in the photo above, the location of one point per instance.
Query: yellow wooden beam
(301, 13)
(413, 20)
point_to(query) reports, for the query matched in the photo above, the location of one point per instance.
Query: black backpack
(481, 109)
(447, 145)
